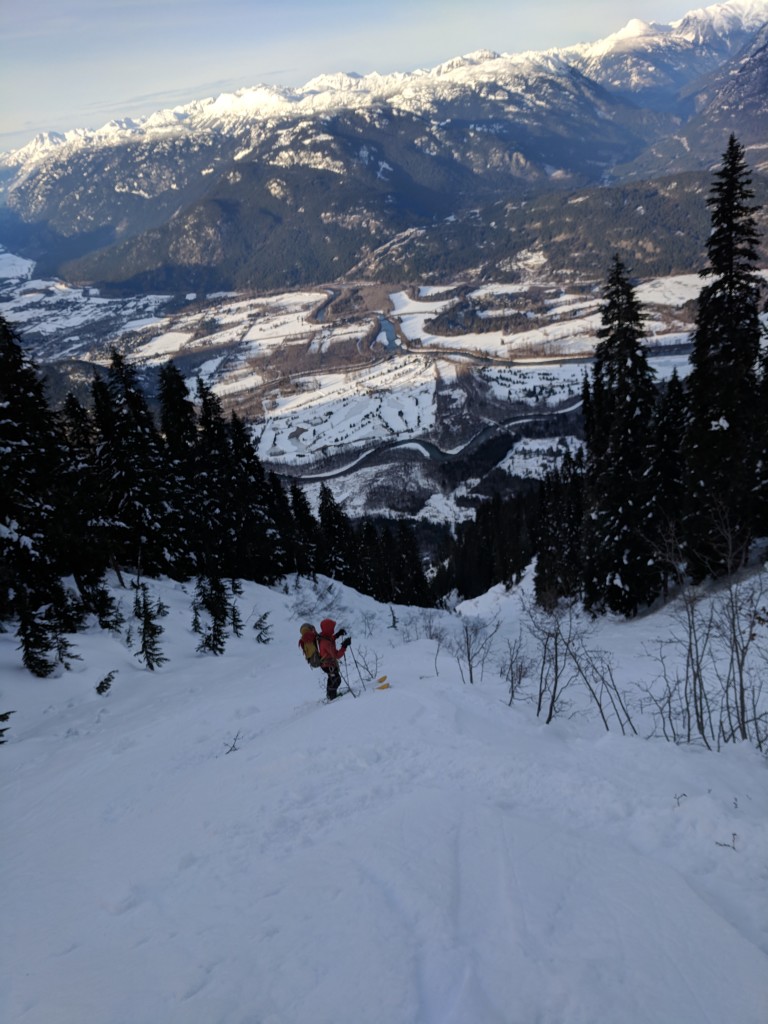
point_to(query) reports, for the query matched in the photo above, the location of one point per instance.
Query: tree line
(672, 482)
(108, 486)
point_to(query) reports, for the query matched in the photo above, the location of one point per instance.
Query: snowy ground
(211, 844)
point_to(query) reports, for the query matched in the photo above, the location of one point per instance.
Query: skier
(330, 655)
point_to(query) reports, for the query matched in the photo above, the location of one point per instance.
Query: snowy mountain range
(377, 175)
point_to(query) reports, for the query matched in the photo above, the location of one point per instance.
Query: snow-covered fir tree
(621, 571)
(723, 398)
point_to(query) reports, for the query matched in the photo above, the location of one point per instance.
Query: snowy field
(533, 457)
(212, 844)
(252, 349)
(337, 410)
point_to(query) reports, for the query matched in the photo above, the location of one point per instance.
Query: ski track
(420, 855)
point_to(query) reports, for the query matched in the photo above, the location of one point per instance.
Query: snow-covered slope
(210, 844)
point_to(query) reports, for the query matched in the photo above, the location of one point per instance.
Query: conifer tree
(147, 613)
(178, 417)
(178, 428)
(282, 537)
(761, 483)
(369, 560)
(470, 557)
(337, 555)
(722, 389)
(410, 582)
(559, 533)
(621, 573)
(386, 574)
(306, 533)
(256, 540)
(130, 471)
(32, 456)
(213, 530)
(212, 609)
(667, 479)
(84, 540)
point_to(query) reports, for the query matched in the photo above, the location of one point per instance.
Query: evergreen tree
(410, 582)
(621, 573)
(338, 554)
(147, 613)
(282, 538)
(214, 524)
(255, 534)
(130, 470)
(559, 533)
(83, 539)
(667, 479)
(212, 610)
(32, 456)
(720, 447)
(369, 560)
(306, 533)
(178, 416)
(262, 629)
(178, 428)
(470, 558)
(761, 484)
(386, 575)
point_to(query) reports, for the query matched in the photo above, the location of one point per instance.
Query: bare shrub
(566, 658)
(710, 685)
(472, 646)
(551, 630)
(515, 667)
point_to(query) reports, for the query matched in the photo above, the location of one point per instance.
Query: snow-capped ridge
(324, 93)
(349, 90)
(337, 81)
(703, 26)
(722, 18)
(467, 60)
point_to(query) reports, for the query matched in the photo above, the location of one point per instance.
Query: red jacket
(329, 652)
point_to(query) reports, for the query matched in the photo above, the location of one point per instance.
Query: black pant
(334, 680)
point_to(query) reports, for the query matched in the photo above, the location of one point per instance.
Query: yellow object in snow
(384, 686)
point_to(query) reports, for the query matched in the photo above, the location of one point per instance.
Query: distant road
(429, 451)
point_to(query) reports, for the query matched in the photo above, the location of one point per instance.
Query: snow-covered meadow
(209, 843)
(261, 352)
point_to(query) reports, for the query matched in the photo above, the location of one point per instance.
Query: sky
(79, 63)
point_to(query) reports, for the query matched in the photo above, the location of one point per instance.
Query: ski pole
(358, 668)
(346, 680)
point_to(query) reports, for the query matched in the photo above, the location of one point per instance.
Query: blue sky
(66, 64)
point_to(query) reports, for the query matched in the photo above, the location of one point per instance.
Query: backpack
(308, 645)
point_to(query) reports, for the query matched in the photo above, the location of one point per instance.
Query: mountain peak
(705, 25)
(636, 27)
